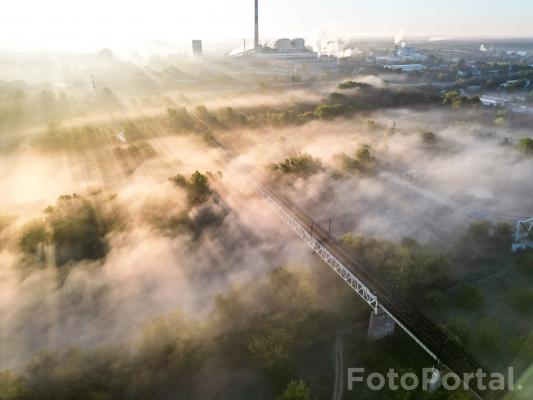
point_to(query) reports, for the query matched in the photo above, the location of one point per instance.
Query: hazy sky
(91, 24)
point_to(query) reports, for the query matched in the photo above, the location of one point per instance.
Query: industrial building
(285, 49)
(197, 49)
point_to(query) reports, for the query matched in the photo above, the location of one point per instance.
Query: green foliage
(77, 228)
(405, 265)
(5, 221)
(33, 236)
(299, 164)
(329, 111)
(364, 161)
(207, 117)
(457, 331)
(133, 156)
(353, 84)
(522, 300)
(272, 353)
(12, 387)
(489, 334)
(364, 154)
(180, 119)
(277, 318)
(337, 98)
(482, 242)
(197, 186)
(296, 390)
(266, 325)
(434, 298)
(469, 298)
(170, 342)
(526, 146)
(429, 137)
(228, 116)
(457, 101)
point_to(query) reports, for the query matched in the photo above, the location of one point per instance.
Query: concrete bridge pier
(381, 325)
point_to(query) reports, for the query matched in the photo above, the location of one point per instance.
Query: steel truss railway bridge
(383, 300)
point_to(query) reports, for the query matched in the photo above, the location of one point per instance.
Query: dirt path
(338, 386)
(488, 279)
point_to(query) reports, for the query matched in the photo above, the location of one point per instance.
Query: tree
(12, 387)
(77, 228)
(197, 186)
(429, 137)
(457, 330)
(300, 164)
(364, 154)
(526, 146)
(271, 351)
(329, 111)
(352, 84)
(33, 237)
(489, 334)
(296, 390)
(522, 300)
(470, 298)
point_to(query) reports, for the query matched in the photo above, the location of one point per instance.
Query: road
(338, 385)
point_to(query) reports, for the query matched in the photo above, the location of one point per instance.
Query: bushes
(405, 265)
(522, 300)
(296, 390)
(271, 351)
(429, 137)
(12, 387)
(329, 111)
(470, 298)
(457, 331)
(364, 161)
(489, 333)
(182, 120)
(33, 237)
(353, 84)
(526, 146)
(298, 164)
(483, 242)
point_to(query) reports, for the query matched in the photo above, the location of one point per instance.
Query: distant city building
(406, 67)
(298, 43)
(492, 99)
(406, 52)
(197, 50)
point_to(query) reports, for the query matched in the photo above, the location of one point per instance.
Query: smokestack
(256, 37)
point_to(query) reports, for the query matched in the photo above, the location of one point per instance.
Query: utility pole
(93, 82)
(329, 226)
(256, 33)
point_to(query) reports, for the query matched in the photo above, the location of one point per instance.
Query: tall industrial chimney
(256, 37)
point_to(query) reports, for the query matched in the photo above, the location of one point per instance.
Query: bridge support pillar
(381, 325)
